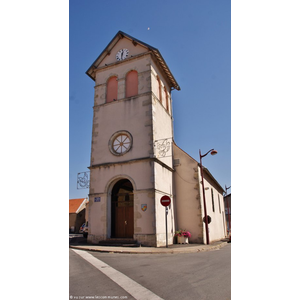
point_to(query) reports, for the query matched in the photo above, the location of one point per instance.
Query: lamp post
(213, 152)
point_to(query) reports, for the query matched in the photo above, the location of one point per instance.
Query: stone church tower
(131, 164)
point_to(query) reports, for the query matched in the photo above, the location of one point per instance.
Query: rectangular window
(212, 199)
(219, 203)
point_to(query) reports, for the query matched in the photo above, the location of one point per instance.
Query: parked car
(82, 228)
(86, 230)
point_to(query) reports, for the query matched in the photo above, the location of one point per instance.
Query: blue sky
(194, 37)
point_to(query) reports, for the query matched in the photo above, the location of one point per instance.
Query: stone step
(120, 242)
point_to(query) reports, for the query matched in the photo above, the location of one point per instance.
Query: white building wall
(102, 182)
(162, 142)
(147, 120)
(189, 200)
(217, 227)
(187, 197)
(164, 186)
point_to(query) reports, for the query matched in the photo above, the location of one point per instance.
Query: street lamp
(213, 152)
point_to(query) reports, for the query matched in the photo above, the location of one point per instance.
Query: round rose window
(120, 143)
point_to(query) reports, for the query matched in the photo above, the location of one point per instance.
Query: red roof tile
(74, 204)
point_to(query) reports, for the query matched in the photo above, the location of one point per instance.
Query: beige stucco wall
(141, 65)
(189, 200)
(217, 227)
(162, 119)
(87, 210)
(123, 43)
(72, 221)
(155, 71)
(149, 225)
(163, 176)
(132, 115)
(147, 120)
(76, 220)
(187, 195)
(103, 179)
(163, 186)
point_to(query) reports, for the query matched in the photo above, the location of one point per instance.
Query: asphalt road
(202, 275)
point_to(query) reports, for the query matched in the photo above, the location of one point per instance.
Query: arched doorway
(122, 222)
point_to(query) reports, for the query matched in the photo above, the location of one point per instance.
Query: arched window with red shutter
(131, 84)
(112, 89)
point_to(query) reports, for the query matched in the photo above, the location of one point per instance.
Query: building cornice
(209, 175)
(114, 64)
(153, 159)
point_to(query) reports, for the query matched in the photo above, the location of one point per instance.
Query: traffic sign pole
(166, 201)
(166, 227)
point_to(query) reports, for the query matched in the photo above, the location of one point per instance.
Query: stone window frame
(114, 137)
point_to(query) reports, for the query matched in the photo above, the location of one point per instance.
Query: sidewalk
(172, 249)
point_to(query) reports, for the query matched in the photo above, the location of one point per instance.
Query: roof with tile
(74, 204)
(107, 51)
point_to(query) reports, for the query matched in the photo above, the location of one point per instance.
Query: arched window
(167, 99)
(212, 200)
(112, 89)
(131, 84)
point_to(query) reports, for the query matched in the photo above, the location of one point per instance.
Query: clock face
(122, 54)
(120, 143)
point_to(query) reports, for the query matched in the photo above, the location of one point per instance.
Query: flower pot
(182, 240)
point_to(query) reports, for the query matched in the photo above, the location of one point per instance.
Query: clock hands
(122, 54)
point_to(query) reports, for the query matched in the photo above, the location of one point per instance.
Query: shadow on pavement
(77, 240)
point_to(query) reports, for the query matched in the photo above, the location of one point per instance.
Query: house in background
(77, 214)
(227, 204)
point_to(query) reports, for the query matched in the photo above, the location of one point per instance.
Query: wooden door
(124, 220)
(122, 210)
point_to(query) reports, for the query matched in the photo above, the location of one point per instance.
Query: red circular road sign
(165, 200)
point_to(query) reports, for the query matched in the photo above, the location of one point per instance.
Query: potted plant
(183, 236)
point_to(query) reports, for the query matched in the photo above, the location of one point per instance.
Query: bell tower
(131, 164)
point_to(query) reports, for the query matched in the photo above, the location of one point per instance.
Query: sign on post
(166, 201)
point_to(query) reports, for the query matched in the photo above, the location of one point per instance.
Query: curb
(154, 251)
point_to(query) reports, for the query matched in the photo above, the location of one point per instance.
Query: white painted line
(133, 288)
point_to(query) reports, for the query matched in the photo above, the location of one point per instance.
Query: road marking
(133, 288)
